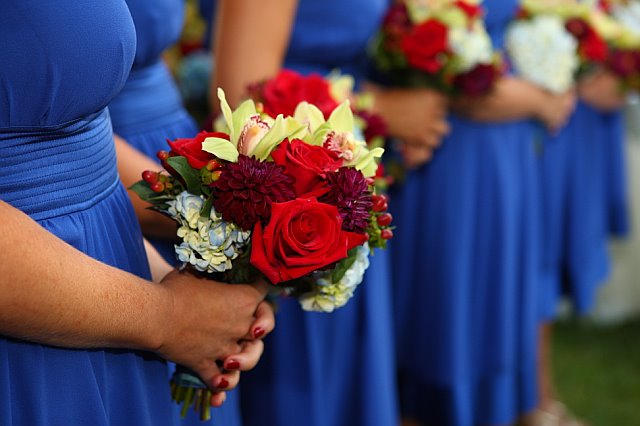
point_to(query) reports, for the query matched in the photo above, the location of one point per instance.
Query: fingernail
(232, 364)
(223, 383)
(258, 332)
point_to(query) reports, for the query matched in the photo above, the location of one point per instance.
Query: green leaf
(221, 148)
(142, 189)
(190, 176)
(343, 266)
(206, 208)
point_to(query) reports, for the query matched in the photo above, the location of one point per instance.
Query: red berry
(384, 219)
(162, 155)
(386, 234)
(212, 165)
(149, 176)
(157, 187)
(379, 203)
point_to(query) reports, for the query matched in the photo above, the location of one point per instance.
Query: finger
(225, 381)
(218, 398)
(262, 288)
(265, 321)
(248, 358)
(441, 127)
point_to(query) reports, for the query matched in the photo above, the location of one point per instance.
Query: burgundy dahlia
(245, 190)
(349, 192)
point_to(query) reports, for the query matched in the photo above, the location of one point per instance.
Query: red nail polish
(232, 364)
(258, 332)
(223, 383)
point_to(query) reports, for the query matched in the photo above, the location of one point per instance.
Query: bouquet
(290, 198)
(581, 23)
(444, 46)
(543, 51)
(619, 22)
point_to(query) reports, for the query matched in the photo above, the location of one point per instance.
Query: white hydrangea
(544, 52)
(328, 296)
(209, 244)
(471, 46)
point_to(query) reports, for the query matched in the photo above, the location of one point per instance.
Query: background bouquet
(290, 198)
(542, 50)
(443, 45)
(619, 23)
(580, 20)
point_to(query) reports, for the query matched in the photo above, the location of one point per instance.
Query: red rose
(473, 11)
(285, 91)
(309, 164)
(302, 236)
(478, 81)
(191, 149)
(594, 48)
(425, 45)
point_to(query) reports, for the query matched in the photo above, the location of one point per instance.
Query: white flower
(328, 295)
(470, 46)
(544, 52)
(209, 244)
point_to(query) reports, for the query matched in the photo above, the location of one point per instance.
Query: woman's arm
(516, 99)
(250, 41)
(53, 294)
(602, 90)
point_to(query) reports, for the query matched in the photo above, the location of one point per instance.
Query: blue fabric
(587, 257)
(617, 200)
(42, 385)
(329, 369)
(147, 112)
(555, 161)
(61, 60)
(466, 251)
(583, 188)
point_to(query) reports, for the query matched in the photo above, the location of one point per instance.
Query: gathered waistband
(53, 171)
(148, 100)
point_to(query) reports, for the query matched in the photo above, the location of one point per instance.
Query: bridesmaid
(322, 369)
(148, 111)
(467, 246)
(82, 328)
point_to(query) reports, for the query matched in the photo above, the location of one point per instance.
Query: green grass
(597, 371)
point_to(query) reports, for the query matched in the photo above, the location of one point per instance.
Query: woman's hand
(515, 99)
(211, 321)
(414, 156)
(554, 112)
(602, 90)
(413, 116)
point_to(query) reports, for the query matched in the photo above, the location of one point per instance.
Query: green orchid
(248, 133)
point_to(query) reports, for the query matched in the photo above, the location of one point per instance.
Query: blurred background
(596, 359)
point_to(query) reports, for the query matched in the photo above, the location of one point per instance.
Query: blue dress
(617, 198)
(466, 262)
(62, 62)
(329, 369)
(149, 110)
(586, 252)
